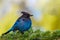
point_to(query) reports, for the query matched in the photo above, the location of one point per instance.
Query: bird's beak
(31, 15)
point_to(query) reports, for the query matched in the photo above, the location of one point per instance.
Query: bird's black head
(26, 14)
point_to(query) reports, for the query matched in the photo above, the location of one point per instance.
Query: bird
(22, 24)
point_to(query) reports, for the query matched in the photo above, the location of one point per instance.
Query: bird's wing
(24, 24)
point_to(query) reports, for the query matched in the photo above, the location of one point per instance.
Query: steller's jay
(22, 24)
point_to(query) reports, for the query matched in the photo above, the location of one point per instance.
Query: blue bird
(22, 24)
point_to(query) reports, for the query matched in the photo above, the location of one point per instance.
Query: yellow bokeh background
(51, 16)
